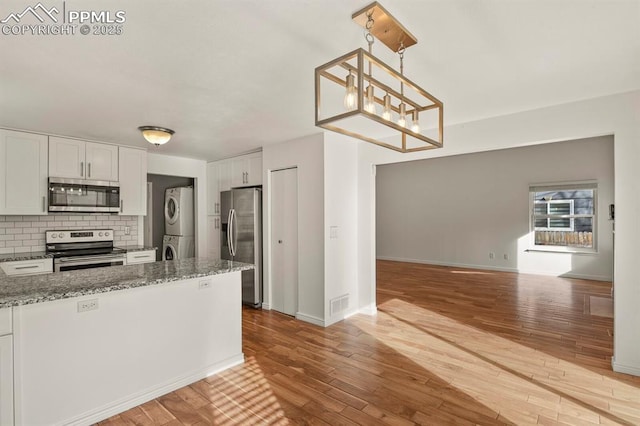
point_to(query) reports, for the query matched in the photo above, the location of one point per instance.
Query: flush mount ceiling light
(156, 135)
(360, 96)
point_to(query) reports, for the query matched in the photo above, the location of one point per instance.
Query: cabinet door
(254, 170)
(213, 189)
(66, 158)
(27, 267)
(133, 181)
(23, 173)
(239, 167)
(6, 380)
(224, 175)
(102, 161)
(213, 237)
(144, 256)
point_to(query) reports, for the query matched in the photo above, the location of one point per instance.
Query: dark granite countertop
(23, 290)
(12, 257)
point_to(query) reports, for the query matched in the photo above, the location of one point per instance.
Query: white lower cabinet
(144, 256)
(27, 267)
(213, 237)
(6, 368)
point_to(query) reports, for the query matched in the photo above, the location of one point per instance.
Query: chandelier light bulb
(386, 111)
(402, 121)
(415, 123)
(351, 95)
(370, 101)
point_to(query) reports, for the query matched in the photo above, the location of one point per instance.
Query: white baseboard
(627, 369)
(371, 310)
(451, 264)
(496, 268)
(266, 306)
(146, 395)
(310, 319)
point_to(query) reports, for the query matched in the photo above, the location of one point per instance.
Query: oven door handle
(81, 260)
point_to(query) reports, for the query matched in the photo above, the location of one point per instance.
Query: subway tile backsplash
(20, 234)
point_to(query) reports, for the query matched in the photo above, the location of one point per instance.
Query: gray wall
(455, 210)
(160, 183)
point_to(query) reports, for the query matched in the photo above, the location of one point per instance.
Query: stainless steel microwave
(83, 196)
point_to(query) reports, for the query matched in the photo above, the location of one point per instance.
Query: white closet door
(284, 241)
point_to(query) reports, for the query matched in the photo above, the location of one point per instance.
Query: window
(563, 217)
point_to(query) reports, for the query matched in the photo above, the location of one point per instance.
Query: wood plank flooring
(448, 346)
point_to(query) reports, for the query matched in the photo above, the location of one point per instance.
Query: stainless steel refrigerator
(241, 237)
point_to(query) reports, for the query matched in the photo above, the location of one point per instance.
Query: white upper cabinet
(246, 170)
(75, 159)
(66, 158)
(102, 161)
(224, 175)
(254, 172)
(133, 181)
(23, 173)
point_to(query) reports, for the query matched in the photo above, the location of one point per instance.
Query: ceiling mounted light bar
(360, 96)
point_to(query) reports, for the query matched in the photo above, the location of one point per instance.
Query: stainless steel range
(83, 249)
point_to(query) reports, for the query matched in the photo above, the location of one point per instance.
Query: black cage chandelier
(360, 96)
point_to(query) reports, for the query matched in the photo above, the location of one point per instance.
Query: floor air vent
(339, 304)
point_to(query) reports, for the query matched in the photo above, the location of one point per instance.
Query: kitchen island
(88, 344)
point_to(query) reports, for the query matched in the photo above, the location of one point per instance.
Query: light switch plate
(333, 232)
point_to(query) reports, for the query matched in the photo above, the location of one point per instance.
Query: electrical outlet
(87, 305)
(492, 255)
(505, 256)
(204, 284)
(127, 230)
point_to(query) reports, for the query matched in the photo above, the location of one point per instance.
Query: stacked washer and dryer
(178, 242)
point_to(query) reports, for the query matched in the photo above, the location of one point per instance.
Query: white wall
(455, 210)
(341, 212)
(197, 169)
(307, 154)
(616, 114)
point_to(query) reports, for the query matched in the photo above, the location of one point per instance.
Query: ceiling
(233, 76)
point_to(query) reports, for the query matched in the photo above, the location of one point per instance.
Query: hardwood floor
(448, 346)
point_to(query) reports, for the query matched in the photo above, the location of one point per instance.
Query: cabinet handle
(82, 169)
(88, 169)
(121, 205)
(26, 267)
(44, 204)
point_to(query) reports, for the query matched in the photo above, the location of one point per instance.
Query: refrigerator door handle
(229, 226)
(234, 231)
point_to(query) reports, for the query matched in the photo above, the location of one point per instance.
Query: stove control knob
(61, 235)
(99, 234)
(54, 235)
(106, 234)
